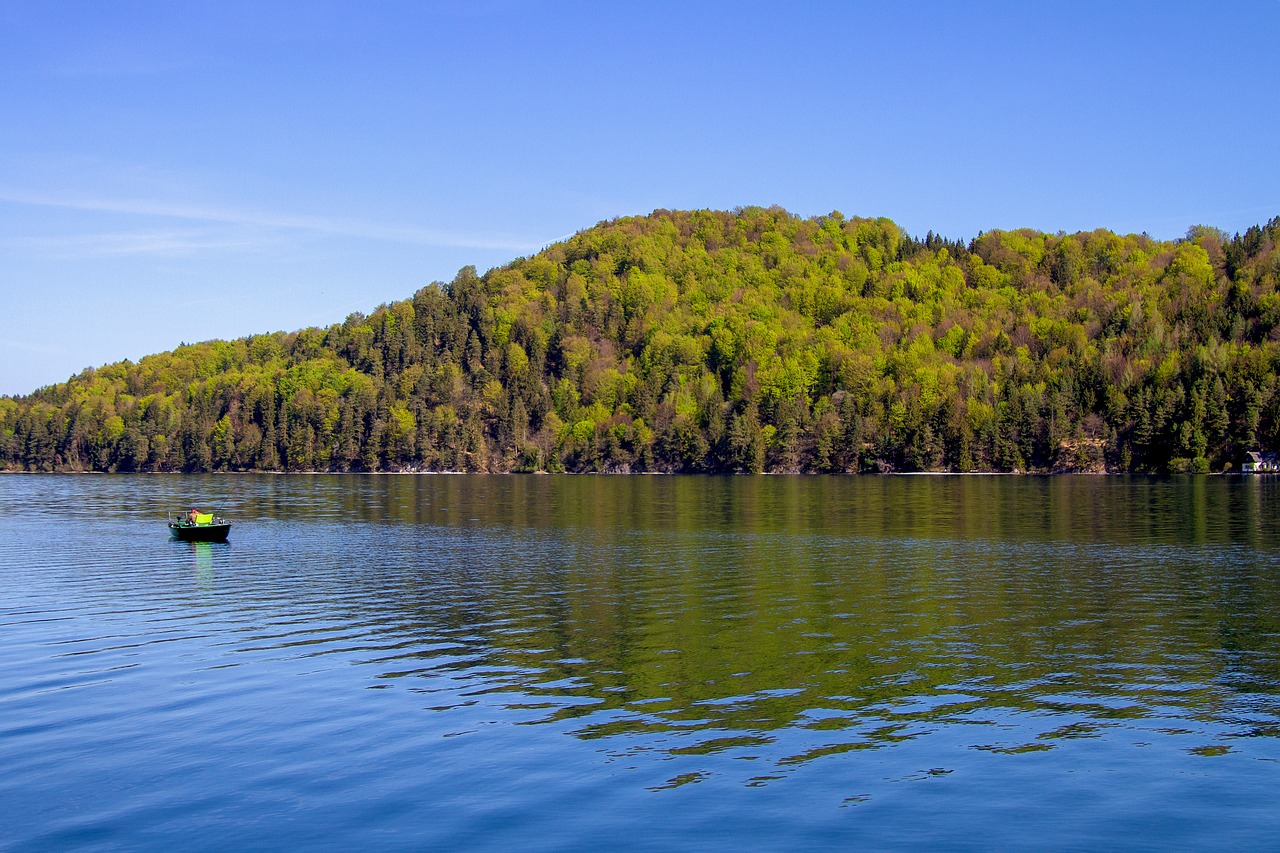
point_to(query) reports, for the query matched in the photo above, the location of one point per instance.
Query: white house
(1257, 462)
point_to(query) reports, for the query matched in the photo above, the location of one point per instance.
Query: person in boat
(191, 516)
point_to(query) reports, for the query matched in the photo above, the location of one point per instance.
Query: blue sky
(184, 171)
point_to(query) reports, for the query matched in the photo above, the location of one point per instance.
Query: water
(564, 663)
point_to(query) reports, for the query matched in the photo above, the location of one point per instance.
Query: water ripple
(460, 661)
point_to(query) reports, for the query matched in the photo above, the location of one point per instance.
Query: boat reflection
(202, 555)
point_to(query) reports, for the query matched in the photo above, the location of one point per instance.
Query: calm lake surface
(564, 663)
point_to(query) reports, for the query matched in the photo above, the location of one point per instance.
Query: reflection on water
(1006, 643)
(711, 644)
(202, 552)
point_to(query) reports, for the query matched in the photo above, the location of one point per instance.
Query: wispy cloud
(335, 226)
(170, 242)
(26, 347)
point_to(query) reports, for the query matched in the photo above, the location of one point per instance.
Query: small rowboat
(206, 527)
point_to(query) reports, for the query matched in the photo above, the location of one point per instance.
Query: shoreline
(640, 473)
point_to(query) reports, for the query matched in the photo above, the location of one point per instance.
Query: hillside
(714, 341)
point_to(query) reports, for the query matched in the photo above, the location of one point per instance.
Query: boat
(198, 527)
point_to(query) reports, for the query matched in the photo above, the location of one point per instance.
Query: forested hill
(714, 341)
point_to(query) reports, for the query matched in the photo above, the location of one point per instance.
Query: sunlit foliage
(715, 341)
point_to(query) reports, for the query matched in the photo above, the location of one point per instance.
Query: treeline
(714, 341)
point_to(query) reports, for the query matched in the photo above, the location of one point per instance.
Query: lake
(571, 662)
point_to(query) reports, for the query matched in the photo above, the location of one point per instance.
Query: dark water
(641, 663)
